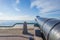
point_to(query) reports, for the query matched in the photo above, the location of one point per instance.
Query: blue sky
(28, 9)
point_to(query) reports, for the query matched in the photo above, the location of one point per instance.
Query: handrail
(15, 24)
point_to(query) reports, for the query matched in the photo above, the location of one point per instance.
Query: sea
(5, 23)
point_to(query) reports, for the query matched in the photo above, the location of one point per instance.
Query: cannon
(50, 27)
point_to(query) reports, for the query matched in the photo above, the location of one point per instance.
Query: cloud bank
(4, 16)
(22, 17)
(46, 6)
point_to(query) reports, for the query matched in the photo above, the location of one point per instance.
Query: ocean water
(12, 22)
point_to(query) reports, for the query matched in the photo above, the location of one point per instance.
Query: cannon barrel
(50, 27)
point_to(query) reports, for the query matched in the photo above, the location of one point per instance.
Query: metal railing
(14, 24)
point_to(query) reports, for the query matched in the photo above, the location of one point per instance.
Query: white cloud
(17, 9)
(15, 5)
(46, 5)
(17, 1)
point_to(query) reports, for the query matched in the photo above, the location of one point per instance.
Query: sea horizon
(14, 22)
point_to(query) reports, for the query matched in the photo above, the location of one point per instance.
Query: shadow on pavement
(39, 34)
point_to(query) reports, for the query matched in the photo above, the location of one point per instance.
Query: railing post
(25, 30)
